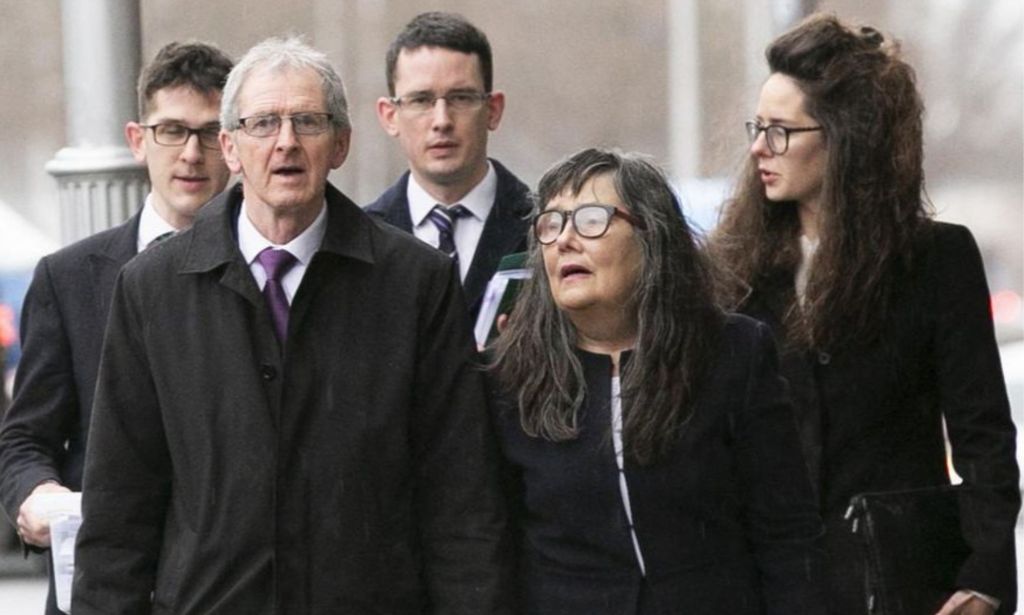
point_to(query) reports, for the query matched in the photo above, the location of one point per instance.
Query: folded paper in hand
(64, 511)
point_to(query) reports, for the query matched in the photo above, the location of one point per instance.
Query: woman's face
(798, 174)
(594, 277)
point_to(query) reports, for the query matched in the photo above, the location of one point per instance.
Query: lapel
(504, 232)
(213, 242)
(107, 260)
(393, 205)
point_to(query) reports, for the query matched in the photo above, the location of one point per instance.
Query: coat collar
(122, 245)
(214, 242)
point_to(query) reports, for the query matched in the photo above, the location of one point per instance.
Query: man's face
(284, 174)
(446, 147)
(183, 177)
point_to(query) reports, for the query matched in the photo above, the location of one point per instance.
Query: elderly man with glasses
(441, 108)
(44, 434)
(292, 424)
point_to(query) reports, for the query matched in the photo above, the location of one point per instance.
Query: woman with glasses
(881, 313)
(653, 461)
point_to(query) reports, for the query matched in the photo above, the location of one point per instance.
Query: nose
(286, 137)
(568, 238)
(440, 115)
(759, 148)
(192, 151)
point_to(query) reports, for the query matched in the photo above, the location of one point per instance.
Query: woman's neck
(605, 338)
(808, 214)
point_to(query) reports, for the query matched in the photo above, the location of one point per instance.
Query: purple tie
(276, 263)
(444, 219)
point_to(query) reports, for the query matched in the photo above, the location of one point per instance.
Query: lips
(442, 146)
(288, 170)
(192, 182)
(572, 270)
(768, 177)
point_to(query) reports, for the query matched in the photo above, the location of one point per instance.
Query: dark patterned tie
(444, 218)
(276, 263)
(160, 238)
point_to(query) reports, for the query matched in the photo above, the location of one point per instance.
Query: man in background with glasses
(43, 439)
(441, 108)
(287, 416)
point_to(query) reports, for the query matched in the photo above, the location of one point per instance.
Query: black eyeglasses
(173, 134)
(590, 221)
(775, 135)
(423, 102)
(268, 125)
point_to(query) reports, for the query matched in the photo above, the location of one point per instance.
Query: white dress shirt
(478, 202)
(251, 242)
(151, 225)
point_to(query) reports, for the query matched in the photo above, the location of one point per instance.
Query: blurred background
(674, 79)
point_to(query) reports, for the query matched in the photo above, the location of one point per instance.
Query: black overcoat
(353, 472)
(871, 414)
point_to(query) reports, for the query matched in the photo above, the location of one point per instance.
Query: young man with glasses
(43, 438)
(441, 108)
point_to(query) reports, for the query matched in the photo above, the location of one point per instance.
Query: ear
(342, 140)
(230, 152)
(387, 113)
(135, 135)
(495, 108)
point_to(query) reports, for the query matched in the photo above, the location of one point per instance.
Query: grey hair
(674, 307)
(279, 54)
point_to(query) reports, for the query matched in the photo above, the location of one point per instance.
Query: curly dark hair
(865, 97)
(678, 322)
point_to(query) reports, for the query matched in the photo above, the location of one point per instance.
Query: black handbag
(913, 547)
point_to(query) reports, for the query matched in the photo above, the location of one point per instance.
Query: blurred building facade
(674, 79)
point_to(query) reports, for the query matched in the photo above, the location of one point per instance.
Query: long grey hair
(677, 320)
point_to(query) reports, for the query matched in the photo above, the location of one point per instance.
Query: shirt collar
(478, 201)
(151, 225)
(303, 247)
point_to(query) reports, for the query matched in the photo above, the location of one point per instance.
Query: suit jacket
(65, 312)
(871, 414)
(726, 521)
(354, 472)
(505, 230)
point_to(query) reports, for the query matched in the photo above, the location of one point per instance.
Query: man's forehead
(273, 80)
(185, 104)
(420, 66)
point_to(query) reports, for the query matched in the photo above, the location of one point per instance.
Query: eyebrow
(774, 120)
(168, 120)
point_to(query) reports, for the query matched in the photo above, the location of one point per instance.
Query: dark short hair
(199, 66)
(445, 30)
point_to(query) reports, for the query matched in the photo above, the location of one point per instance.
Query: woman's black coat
(871, 416)
(726, 522)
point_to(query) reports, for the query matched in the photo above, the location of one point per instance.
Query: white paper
(64, 512)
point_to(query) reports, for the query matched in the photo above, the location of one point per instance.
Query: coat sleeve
(783, 523)
(459, 506)
(127, 473)
(972, 398)
(45, 406)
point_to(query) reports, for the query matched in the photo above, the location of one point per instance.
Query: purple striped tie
(444, 219)
(276, 263)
